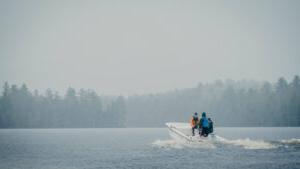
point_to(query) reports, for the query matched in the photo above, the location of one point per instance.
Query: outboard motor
(210, 126)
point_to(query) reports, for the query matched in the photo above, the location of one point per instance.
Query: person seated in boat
(210, 125)
(194, 122)
(204, 125)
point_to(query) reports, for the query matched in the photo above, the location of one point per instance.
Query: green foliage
(21, 109)
(228, 103)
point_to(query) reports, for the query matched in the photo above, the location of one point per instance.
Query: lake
(130, 148)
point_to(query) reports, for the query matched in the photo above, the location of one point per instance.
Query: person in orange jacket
(194, 122)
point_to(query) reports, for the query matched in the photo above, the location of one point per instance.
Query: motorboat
(183, 131)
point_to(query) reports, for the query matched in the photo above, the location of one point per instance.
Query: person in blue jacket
(204, 125)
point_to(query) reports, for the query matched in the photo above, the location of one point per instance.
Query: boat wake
(181, 138)
(220, 142)
(291, 141)
(247, 143)
(168, 144)
(179, 144)
(217, 142)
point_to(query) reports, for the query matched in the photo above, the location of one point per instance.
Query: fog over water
(138, 47)
(115, 84)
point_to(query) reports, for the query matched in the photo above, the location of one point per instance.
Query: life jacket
(194, 121)
(204, 122)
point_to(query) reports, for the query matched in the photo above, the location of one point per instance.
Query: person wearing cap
(204, 125)
(194, 122)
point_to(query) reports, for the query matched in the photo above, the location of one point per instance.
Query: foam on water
(180, 143)
(167, 144)
(247, 143)
(218, 140)
(291, 141)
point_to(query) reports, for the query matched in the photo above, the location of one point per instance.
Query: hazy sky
(118, 47)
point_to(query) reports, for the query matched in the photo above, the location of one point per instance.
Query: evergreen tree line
(228, 103)
(19, 108)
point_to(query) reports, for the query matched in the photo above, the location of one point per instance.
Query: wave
(291, 141)
(247, 143)
(218, 140)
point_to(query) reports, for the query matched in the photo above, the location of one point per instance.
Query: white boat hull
(183, 131)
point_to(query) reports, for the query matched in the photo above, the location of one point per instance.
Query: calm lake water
(240, 148)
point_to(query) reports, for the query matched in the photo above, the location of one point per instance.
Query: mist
(228, 103)
(142, 47)
(149, 84)
(143, 63)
